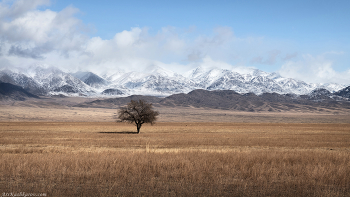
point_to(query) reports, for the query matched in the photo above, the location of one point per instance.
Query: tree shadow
(121, 132)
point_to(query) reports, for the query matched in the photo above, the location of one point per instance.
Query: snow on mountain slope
(91, 79)
(345, 92)
(333, 87)
(207, 78)
(48, 80)
(294, 86)
(159, 71)
(155, 81)
(112, 75)
(253, 80)
(19, 79)
(54, 79)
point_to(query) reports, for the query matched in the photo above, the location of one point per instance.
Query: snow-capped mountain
(253, 80)
(345, 92)
(112, 75)
(26, 82)
(319, 94)
(91, 79)
(48, 80)
(54, 80)
(154, 80)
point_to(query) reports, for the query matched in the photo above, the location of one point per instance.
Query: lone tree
(138, 112)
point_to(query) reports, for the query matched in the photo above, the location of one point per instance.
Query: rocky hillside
(9, 91)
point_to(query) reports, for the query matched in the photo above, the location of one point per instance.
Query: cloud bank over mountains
(31, 33)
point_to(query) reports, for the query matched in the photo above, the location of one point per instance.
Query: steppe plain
(49, 146)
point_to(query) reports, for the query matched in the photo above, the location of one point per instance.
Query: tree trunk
(138, 128)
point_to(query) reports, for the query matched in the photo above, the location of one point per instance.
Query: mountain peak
(157, 70)
(90, 79)
(200, 70)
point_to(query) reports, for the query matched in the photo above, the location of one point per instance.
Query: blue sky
(307, 40)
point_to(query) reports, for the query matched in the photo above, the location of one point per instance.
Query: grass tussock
(175, 159)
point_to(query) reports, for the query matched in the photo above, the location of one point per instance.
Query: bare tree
(138, 112)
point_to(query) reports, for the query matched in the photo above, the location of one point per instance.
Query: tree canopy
(138, 112)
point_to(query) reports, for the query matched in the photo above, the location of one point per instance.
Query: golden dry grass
(175, 159)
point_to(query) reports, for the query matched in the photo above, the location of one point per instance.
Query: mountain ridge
(158, 81)
(231, 100)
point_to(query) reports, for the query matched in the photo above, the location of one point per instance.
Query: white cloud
(19, 7)
(30, 33)
(31, 27)
(209, 62)
(127, 38)
(56, 38)
(314, 69)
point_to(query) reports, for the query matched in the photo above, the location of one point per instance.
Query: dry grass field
(177, 158)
